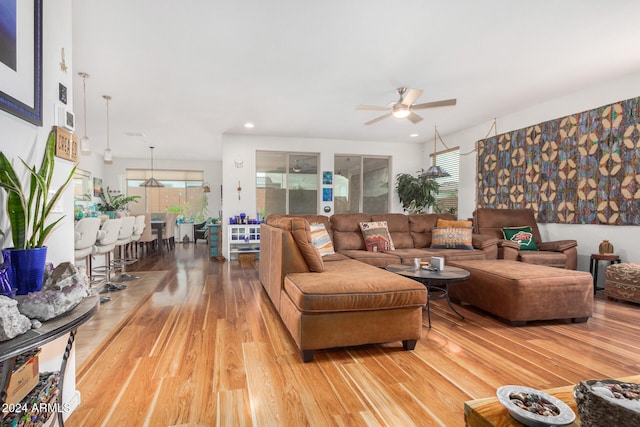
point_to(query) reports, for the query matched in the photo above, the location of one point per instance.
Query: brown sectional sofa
(411, 236)
(335, 301)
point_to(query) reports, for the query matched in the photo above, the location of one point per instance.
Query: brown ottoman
(518, 292)
(622, 281)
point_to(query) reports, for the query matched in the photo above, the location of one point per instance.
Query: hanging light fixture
(151, 182)
(107, 151)
(435, 171)
(85, 146)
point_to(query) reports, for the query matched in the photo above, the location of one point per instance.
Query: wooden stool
(593, 267)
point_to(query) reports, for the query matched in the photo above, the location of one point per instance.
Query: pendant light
(435, 171)
(107, 151)
(152, 182)
(85, 145)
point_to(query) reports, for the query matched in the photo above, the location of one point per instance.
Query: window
(361, 184)
(182, 192)
(286, 183)
(447, 198)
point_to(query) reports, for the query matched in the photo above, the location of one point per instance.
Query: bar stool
(138, 228)
(86, 234)
(124, 239)
(104, 245)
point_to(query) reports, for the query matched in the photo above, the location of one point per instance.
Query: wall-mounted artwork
(580, 169)
(21, 87)
(327, 194)
(97, 187)
(327, 178)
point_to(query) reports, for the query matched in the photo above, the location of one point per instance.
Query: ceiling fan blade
(442, 103)
(414, 118)
(411, 96)
(371, 107)
(377, 119)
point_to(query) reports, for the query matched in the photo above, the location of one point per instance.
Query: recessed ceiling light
(413, 135)
(133, 133)
(249, 125)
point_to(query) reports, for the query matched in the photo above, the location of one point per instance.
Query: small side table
(593, 267)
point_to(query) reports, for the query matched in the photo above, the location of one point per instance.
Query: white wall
(624, 238)
(21, 139)
(406, 158)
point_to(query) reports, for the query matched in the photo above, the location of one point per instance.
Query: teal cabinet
(215, 241)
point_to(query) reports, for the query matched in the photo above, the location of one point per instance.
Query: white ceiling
(185, 72)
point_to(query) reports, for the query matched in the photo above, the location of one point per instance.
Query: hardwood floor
(207, 348)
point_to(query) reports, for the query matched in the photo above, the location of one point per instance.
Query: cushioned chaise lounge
(518, 292)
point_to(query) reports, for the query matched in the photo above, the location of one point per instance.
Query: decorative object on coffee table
(608, 402)
(533, 407)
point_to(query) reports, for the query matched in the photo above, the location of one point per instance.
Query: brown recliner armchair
(559, 253)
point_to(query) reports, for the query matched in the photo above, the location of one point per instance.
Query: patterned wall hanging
(579, 169)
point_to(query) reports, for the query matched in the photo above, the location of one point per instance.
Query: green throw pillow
(522, 236)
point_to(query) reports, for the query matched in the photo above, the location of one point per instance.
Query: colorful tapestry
(579, 169)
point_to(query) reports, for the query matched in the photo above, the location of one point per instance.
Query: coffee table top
(449, 274)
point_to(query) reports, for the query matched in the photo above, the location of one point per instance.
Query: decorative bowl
(565, 413)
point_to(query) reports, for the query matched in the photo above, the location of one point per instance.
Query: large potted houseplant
(417, 193)
(28, 206)
(113, 201)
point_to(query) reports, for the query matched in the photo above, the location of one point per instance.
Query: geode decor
(12, 323)
(608, 403)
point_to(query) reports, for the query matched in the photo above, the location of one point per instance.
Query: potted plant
(28, 213)
(112, 201)
(417, 193)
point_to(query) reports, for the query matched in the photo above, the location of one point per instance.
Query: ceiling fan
(403, 108)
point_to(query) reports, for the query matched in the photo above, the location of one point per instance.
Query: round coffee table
(437, 282)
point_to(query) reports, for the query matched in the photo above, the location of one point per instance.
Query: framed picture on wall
(327, 177)
(97, 187)
(21, 87)
(327, 194)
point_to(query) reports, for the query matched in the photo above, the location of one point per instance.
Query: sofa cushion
(420, 226)
(350, 286)
(346, 231)
(523, 236)
(321, 240)
(445, 223)
(376, 236)
(302, 235)
(377, 259)
(452, 238)
(398, 225)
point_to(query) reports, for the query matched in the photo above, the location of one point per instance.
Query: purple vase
(26, 272)
(5, 286)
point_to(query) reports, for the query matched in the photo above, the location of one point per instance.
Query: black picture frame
(29, 110)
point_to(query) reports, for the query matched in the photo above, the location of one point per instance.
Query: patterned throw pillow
(522, 236)
(321, 240)
(452, 238)
(376, 236)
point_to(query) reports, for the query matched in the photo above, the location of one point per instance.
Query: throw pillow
(452, 238)
(302, 235)
(376, 236)
(321, 240)
(522, 236)
(449, 223)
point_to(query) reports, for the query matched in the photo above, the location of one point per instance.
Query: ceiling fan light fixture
(401, 111)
